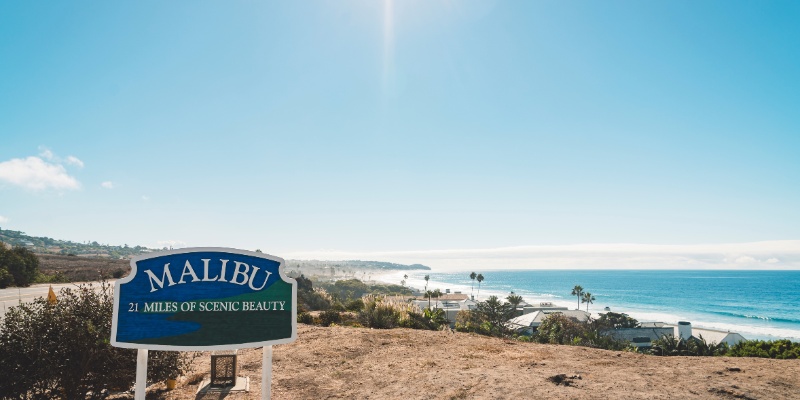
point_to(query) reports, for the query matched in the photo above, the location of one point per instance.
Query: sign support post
(266, 373)
(141, 374)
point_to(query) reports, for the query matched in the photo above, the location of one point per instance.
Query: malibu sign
(204, 299)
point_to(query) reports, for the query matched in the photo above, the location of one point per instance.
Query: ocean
(757, 304)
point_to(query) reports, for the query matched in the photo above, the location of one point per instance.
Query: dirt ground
(82, 269)
(359, 363)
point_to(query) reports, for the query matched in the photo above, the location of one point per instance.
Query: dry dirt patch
(359, 363)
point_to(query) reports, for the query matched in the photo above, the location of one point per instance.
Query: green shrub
(558, 329)
(305, 318)
(355, 305)
(379, 315)
(20, 263)
(670, 345)
(326, 318)
(780, 349)
(62, 350)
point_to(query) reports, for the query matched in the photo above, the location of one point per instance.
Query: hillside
(84, 260)
(359, 363)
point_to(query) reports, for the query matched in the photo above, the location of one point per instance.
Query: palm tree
(480, 279)
(588, 299)
(427, 278)
(578, 291)
(514, 300)
(472, 276)
(436, 293)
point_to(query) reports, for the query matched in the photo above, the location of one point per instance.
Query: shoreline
(638, 311)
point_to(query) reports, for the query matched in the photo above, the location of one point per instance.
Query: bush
(305, 318)
(427, 319)
(62, 350)
(20, 263)
(470, 321)
(780, 349)
(379, 315)
(670, 345)
(558, 329)
(326, 318)
(314, 300)
(355, 305)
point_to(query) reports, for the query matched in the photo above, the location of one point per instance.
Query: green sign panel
(204, 299)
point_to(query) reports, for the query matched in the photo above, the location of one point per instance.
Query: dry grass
(358, 363)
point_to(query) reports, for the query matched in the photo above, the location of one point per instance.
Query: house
(451, 308)
(528, 323)
(685, 330)
(650, 331)
(526, 308)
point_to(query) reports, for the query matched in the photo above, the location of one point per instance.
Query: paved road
(13, 296)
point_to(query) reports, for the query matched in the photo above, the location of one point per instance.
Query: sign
(204, 299)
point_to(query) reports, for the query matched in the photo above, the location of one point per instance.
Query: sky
(409, 130)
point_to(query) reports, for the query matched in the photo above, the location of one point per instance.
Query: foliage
(18, 266)
(577, 290)
(305, 318)
(559, 329)
(355, 305)
(348, 289)
(670, 345)
(427, 319)
(612, 320)
(587, 298)
(379, 314)
(326, 318)
(488, 318)
(315, 299)
(62, 350)
(780, 349)
(479, 278)
(470, 321)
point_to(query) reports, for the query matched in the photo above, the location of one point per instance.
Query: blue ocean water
(757, 304)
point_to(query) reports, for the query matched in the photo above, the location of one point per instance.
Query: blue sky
(380, 126)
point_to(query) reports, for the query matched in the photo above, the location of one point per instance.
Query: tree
(472, 276)
(436, 294)
(480, 279)
(495, 313)
(559, 329)
(403, 282)
(612, 320)
(514, 300)
(588, 299)
(578, 291)
(18, 266)
(427, 278)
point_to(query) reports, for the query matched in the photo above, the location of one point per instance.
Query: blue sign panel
(204, 299)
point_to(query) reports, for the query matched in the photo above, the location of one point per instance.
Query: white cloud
(107, 185)
(145, 198)
(589, 256)
(3, 219)
(37, 174)
(45, 153)
(72, 160)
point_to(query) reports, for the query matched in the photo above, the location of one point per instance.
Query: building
(527, 324)
(650, 331)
